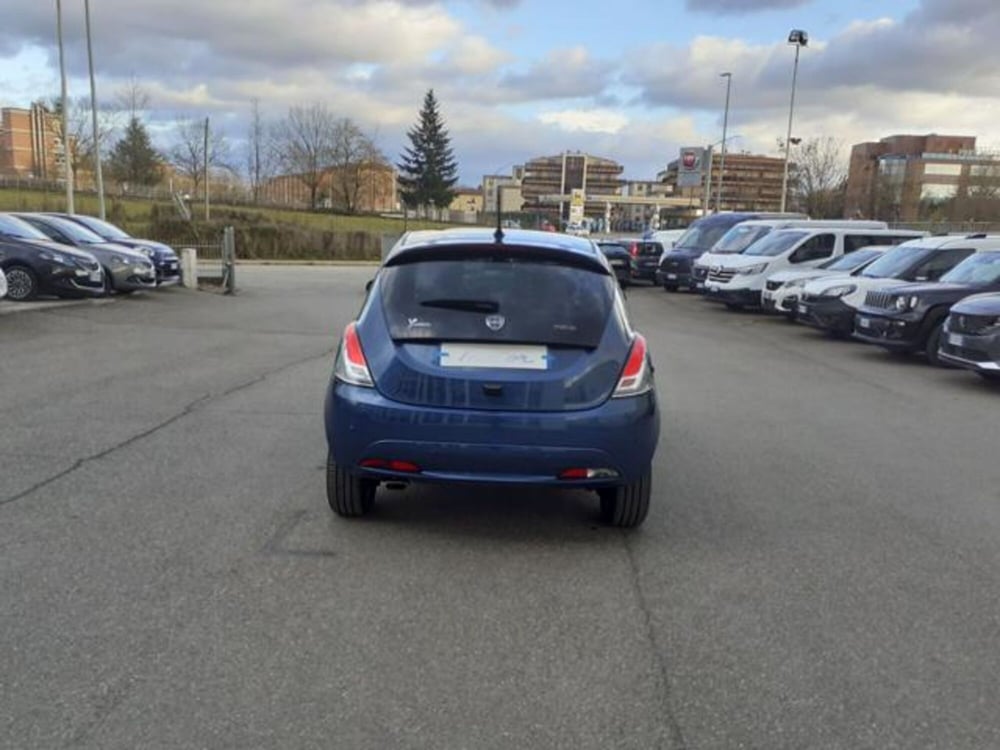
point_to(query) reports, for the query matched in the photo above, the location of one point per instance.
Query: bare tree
(355, 159)
(81, 130)
(262, 152)
(306, 141)
(132, 98)
(188, 153)
(819, 177)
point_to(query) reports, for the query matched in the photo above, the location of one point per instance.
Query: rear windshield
(739, 238)
(509, 300)
(979, 270)
(650, 248)
(896, 261)
(776, 243)
(612, 247)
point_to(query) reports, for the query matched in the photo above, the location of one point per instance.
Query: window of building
(933, 192)
(944, 170)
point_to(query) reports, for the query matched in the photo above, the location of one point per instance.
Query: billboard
(691, 167)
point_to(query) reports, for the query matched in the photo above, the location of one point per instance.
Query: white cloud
(585, 120)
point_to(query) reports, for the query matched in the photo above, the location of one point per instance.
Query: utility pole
(93, 116)
(708, 183)
(725, 126)
(206, 170)
(67, 158)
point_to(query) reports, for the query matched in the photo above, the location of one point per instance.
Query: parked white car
(783, 289)
(739, 281)
(3, 284)
(830, 303)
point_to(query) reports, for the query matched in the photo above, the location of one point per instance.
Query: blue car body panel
(486, 425)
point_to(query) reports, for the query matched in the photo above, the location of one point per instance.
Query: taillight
(404, 467)
(351, 365)
(634, 250)
(636, 377)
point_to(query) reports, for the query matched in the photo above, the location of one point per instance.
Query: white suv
(739, 280)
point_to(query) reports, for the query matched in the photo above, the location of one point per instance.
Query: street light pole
(93, 118)
(725, 126)
(800, 39)
(67, 157)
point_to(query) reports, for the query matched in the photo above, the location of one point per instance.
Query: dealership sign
(690, 167)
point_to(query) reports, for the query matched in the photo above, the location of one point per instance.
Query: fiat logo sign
(495, 322)
(689, 159)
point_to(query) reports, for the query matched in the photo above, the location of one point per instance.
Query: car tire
(931, 347)
(991, 377)
(22, 283)
(109, 284)
(349, 496)
(735, 307)
(626, 506)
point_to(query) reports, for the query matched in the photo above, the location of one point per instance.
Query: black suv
(910, 317)
(616, 251)
(924, 260)
(971, 336)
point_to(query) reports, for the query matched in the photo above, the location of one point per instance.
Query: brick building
(374, 191)
(30, 143)
(913, 177)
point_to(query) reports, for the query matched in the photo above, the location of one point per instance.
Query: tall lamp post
(725, 126)
(67, 157)
(93, 118)
(800, 39)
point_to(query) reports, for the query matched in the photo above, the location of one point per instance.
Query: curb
(12, 308)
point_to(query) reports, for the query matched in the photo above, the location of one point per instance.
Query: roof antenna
(498, 235)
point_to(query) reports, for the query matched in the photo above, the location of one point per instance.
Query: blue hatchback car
(493, 358)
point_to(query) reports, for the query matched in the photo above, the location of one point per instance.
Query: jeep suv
(971, 336)
(910, 317)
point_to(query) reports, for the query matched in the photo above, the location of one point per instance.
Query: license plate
(864, 323)
(95, 276)
(802, 309)
(495, 356)
(671, 275)
(956, 340)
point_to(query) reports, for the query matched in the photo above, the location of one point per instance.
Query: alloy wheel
(20, 285)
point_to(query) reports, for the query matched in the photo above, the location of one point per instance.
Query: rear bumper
(501, 447)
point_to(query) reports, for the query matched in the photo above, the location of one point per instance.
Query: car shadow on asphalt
(499, 513)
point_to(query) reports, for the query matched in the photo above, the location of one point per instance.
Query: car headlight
(147, 251)
(904, 304)
(795, 283)
(840, 291)
(54, 257)
(752, 270)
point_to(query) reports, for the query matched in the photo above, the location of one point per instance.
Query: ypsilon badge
(495, 322)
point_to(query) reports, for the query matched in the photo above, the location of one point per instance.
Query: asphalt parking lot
(820, 568)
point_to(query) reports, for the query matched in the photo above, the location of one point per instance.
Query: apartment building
(550, 180)
(751, 182)
(371, 189)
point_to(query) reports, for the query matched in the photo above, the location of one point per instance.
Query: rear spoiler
(500, 252)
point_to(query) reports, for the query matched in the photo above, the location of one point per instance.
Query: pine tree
(133, 160)
(428, 170)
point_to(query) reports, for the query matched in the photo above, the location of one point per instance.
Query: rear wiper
(468, 305)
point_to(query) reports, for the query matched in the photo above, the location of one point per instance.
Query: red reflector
(573, 474)
(405, 466)
(374, 463)
(634, 250)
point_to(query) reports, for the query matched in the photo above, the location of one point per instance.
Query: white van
(739, 279)
(743, 235)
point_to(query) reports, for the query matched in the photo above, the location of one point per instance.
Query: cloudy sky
(632, 81)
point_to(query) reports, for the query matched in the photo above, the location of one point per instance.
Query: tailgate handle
(493, 389)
